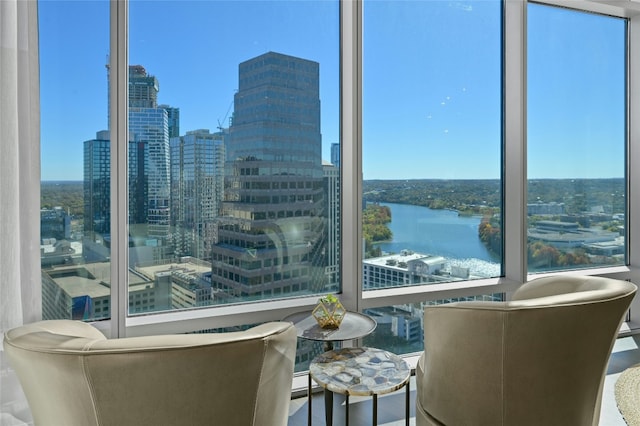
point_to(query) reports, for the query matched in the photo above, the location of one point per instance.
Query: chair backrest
(73, 375)
(538, 359)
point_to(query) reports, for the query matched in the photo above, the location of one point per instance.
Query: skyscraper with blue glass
(97, 189)
(335, 154)
(197, 183)
(272, 229)
(149, 128)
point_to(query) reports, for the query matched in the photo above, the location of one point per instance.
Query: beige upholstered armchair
(539, 359)
(73, 375)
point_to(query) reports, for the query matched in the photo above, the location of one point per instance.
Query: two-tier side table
(354, 326)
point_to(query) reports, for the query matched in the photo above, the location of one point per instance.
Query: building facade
(173, 116)
(150, 212)
(402, 269)
(272, 230)
(332, 197)
(197, 182)
(97, 185)
(335, 154)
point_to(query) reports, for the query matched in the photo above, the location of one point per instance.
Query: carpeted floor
(627, 394)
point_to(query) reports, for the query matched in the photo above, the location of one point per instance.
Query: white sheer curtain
(20, 282)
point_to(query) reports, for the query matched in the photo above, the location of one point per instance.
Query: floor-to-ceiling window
(276, 151)
(76, 198)
(233, 108)
(576, 139)
(431, 152)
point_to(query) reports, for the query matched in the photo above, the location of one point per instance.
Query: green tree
(375, 229)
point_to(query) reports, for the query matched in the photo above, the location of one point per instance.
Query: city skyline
(442, 111)
(251, 227)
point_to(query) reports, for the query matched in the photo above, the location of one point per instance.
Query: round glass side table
(354, 326)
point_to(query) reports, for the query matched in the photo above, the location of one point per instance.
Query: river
(440, 232)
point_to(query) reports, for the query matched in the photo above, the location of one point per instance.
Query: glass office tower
(197, 182)
(149, 126)
(272, 230)
(97, 181)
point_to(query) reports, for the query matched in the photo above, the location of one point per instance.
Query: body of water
(440, 232)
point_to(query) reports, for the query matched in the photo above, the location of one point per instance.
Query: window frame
(514, 177)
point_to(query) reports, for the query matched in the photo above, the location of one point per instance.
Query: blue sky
(576, 77)
(432, 83)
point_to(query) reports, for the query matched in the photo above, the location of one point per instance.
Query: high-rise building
(149, 127)
(197, 182)
(148, 176)
(143, 88)
(97, 198)
(173, 115)
(272, 233)
(97, 185)
(335, 154)
(332, 197)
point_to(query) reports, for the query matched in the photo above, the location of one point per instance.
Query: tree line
(68, 195)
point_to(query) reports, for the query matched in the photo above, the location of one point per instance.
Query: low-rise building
(405, 268)
(566, 235)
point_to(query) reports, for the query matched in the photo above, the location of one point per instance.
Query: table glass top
(360, 371)
(354, 326)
